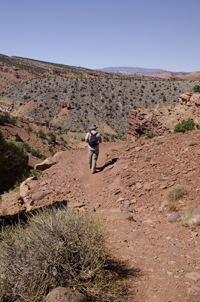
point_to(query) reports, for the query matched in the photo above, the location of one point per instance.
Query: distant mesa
(130, 70)
(143, 72)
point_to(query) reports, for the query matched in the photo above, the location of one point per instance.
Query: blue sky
(162, 34)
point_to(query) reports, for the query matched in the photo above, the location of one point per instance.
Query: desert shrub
(5, 118)
(173, 195)
(29, 129)
(56, 247)
(190, 220)
(26, 147)
(41, 134)
(184, 126)
(18, 138)
(52, 138)
(196, 89)
(2, 119)
(149, 135)
(13, 163)
(51, 151)
(36, 153)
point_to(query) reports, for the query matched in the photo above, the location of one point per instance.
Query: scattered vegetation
(111, 137)
(56, 247)
(118, 97)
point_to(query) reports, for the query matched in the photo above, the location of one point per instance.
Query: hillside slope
(75, 104)
(15, 69)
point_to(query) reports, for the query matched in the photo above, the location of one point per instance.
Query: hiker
(93, 138)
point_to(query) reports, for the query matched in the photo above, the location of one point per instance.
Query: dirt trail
(126, 193)
(159, 254)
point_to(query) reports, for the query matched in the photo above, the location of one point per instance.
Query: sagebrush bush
(13, 163)
(56, 247)
(184, 126)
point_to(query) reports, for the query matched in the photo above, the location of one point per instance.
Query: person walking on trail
(93, 138)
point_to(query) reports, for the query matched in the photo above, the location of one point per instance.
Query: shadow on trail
(122, 269)
(111, 162)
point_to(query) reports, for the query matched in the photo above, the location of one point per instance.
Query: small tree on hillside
(196, 89)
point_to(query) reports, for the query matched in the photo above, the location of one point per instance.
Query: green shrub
(51, 151)
(2, 119)
(41, 134)
(13, 163)
(52, 138)
(29, 129)
(149, 135)
(26, 147)
(36, 153)
(5, 118)
(196, 89)
(184, 126)
(18, 138)
(56, 247)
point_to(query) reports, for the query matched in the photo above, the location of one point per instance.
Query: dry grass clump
(173, 195)
(56, 247)
(189, 220)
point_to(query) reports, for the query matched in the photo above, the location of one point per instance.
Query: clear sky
(162, 34)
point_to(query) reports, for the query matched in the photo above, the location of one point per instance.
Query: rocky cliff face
(163, 120)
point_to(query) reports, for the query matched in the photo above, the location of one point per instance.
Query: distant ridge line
(127, 70)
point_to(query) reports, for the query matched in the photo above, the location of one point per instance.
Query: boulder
(195, 99)
(62, 294)
(173, 217)
(24, 187)
(184, 98)
(40, 195)
(196, 212)
(47, 163)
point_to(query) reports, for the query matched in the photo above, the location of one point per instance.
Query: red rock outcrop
(141, 122)
(163, 120)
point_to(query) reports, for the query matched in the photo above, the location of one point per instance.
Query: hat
(93, 127)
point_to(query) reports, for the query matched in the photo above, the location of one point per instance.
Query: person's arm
(87, 138)
(99, 138)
